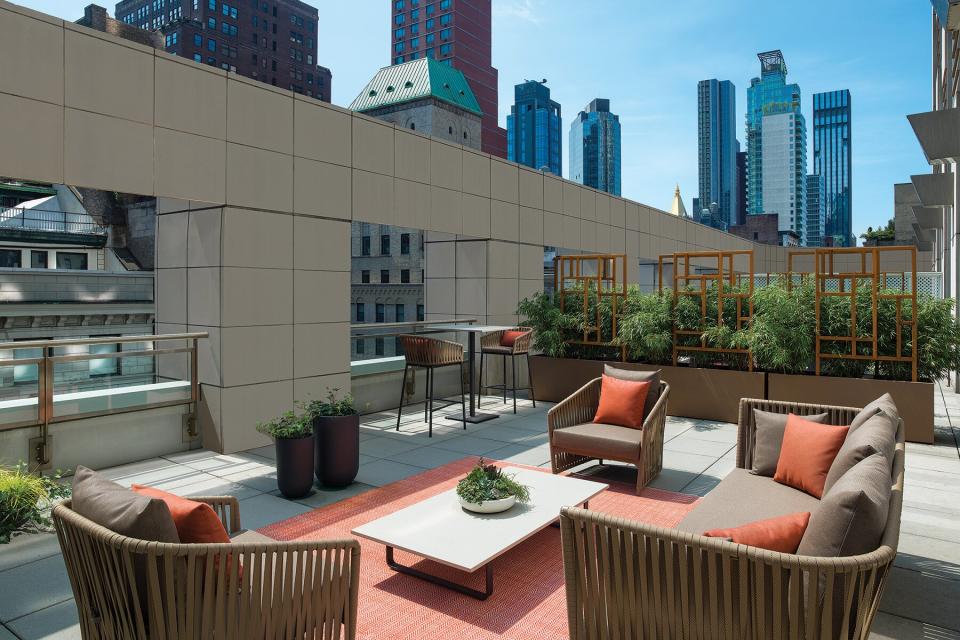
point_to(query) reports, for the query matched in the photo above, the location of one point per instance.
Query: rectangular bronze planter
(914, 399)
(710, 394)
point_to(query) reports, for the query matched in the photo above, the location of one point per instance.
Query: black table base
(443, 582)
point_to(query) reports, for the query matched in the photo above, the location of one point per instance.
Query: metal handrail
(45, 380)
(46, 220)
(409, 327)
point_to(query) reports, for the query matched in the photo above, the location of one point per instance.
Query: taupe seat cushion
(768, 439)
(653, 377)
(600, 441)
(852, 515)
(498, 350)
(743, 497)
(122, 511)
(249, 536)
(878, 434)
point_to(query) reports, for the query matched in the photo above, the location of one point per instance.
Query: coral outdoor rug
(528, 601)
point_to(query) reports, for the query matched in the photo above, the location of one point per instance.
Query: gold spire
(677, 208)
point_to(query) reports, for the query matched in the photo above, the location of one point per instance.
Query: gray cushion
(877, 435)
(597, 440)
(768, 439)
(743, 497)
(883, 404)
(852, 515)
(122, 511)
(653, 377)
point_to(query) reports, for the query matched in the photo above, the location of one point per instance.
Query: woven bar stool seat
(430, 354)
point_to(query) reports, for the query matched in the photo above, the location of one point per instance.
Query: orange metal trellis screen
(602, 275)
(716, 271)
(842, 271)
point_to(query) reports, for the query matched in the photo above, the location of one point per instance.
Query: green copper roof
(414, 80)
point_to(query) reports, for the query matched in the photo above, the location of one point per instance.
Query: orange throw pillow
(808, 451)
(196, 522)
(782, 533)
(507, 338)
(621, 402)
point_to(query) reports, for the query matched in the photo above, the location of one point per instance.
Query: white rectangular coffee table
(440, 529)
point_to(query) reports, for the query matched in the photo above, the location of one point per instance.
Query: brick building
(273, 41)
(457, 33)
(763, 228)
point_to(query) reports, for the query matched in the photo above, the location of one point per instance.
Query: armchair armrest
(747, 427)
(654, 426)
(227, 509)
(491, 339)
(522, 343)
(576, 409)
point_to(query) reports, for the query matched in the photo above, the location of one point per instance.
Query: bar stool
(508, 343)
(431, 354)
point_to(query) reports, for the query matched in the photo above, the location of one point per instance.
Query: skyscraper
(816, 210)
(595, 147)
(741, 185)
(832, 159)
(457, 33)
(272, 42)
(533, 128)
(768, 94)
(717, 148)
(776, 146)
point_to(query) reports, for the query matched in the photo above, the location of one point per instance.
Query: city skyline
(662, 58)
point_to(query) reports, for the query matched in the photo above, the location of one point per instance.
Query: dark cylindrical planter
(337, 449)
(295, 466)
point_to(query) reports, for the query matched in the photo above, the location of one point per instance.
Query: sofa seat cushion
(598, 440)
(743, 497)
(498, 349)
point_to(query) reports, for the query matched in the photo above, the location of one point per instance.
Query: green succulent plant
(487, 482)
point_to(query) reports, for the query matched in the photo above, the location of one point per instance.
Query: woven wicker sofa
(252, 587)
(626, 579)
(575, 439)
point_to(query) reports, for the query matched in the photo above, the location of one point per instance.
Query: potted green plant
(26, 499)
(487, 489)
(336, 430)
(293, 437)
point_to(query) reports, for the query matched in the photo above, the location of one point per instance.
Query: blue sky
(647, 56)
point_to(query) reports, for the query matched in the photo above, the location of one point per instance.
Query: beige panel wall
(257, 187)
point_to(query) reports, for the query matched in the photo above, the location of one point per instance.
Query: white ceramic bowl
(489, 506)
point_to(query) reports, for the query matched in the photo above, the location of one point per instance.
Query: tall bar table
(472, 330)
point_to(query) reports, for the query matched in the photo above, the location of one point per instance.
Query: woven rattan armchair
(581, 407)
(631, 580)
(127, 588)
(491, 345)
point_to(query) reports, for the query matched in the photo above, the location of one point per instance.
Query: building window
(430, 24)
(104, 366)
(361, 346)
(399, 33)
(26, 373)
(380, 313)
(10, 258)
(385, 276)
(445, 34)
(212, 45)
(365, 245)
(384, 244)
(415, 15)
(361, 312)
(399, 19)
(212, 5)
(398, 5)
(446, 18)
(398, 60)
(405, 244)
(430, 38)
(444, 5)
(378, 347)
(445, 49)
(365, 276)
(38, 259)
(405, 276)
(197, 57)
(212, 24)
(197, 40)
(400, 312)
(430, 9)
(415, 43)
(398, 47)
(420, 313)
(71, 260)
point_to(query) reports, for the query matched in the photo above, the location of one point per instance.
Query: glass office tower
(717, 149)
(595, 147)
(533, 128)
(832, 159)
(767, 95)
(816, 210)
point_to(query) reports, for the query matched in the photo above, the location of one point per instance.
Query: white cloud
(526, 10)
